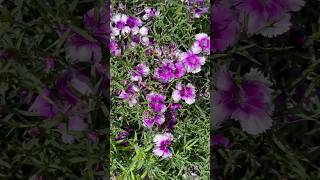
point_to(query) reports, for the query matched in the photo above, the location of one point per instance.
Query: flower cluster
(170, 64)
(130, 31)
(268, 18)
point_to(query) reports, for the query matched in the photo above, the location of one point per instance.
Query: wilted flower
(121, 135)
(249, 102)
(186, 93)
(162, 143)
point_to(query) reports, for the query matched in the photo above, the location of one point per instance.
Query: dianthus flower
(186, 93)
(156, 102)
(202, 44)
(250, 102)
(162, 143)
(130, 94)
(192, 62)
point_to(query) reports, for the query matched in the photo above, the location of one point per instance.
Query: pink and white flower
(142, 70)
(166, 72)
(192, 61)
(130, 95)
(150, 12)
(202, 44)
(162, 143)
(119, 25)
(250, 102)
(186, 93)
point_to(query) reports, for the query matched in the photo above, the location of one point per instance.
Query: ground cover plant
(53, 89)
(160, 90)
(265, 90)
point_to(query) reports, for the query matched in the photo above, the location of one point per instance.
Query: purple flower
(250, 102)
(166, 72)
(134, 23)
(44, 106)
(119, 25)
(157, 119)
(99, 29)
(175, 106)
(265, 9)
(142, 70)
(121, 135)
(162, 143)
(114, 48)
(202, 44)
(200, 11)
(84, 49)
(192, 62)
(70, 80)
(147, 120)
(224, 27)
(81, 49)
(156, 102)
(186, 93)
(130, 95)
(198, 7)
(179, 71)
(150, 12)
(49, 63)
(269, 18)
